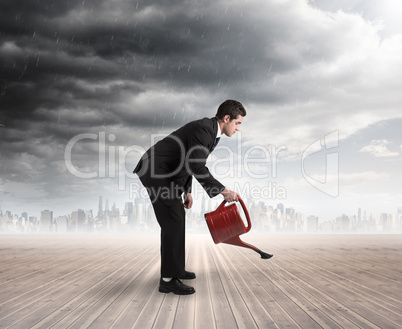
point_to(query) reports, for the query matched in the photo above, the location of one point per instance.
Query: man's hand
(229, 195)
(188, 201)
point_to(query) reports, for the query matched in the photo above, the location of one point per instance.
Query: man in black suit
(166, 170)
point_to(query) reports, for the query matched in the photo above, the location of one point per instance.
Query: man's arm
(229, 195)
(196, 162)
(197, 156)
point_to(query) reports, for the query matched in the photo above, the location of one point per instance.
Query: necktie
(216, 143)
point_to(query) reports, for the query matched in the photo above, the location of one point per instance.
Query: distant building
(290, 212)
(312, 224)
(46, 221)
(129, 212)
(100, 208)
(107, 211)
(140, 215)
(326, 227)
(25, 216)
(384, 222)
(78, 217)
(33, 224)
(281, 207)
(258, 215)
(341, 224)
(62, 224)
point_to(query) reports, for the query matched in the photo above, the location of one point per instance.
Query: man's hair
(232, 108)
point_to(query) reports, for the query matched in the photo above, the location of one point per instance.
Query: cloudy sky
(86, 86)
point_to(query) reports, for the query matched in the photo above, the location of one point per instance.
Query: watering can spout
(238, 242)
(225, 225)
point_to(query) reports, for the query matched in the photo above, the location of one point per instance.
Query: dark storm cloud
(63, 60)
(73, 67)
(68, 68)
(46, 49)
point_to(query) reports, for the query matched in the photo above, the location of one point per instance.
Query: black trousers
(170, 214)
(171, 219)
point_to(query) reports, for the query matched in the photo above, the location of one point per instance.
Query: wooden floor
(111, 281)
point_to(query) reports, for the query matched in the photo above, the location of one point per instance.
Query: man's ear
(226, 118)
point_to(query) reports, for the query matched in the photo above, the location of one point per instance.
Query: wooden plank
(149, 312)
(132, 311)
(378, 282)
(62, 283)
(39, 298)
(223, 313)
(58, 305)
(260, 289)
(320, 301)
(292, 305)
(262, 318)
(167, 311)
(58, 263)
(22, 309)
(164, 315)
(15, 267)
(247, 310)
(312, 281)
(365, 256)
(100, 308)
(310, 305)
(108, 316)
(359, 262)
(373, 298)
(342, 290)
(185, 313)
(360, 278)
(204, 312)
(88, 306)
(38, 262)
(338, 286)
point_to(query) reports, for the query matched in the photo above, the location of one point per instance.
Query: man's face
(231, 126)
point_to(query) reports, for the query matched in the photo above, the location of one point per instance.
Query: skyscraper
(78, 219)
(62, 224)
(107, 210)
(100, 208)
(129, 212)
(46, 221)
(24, 217)
(281, 207)
(312, 224)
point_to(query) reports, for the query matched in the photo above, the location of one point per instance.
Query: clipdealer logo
(256, 162)
(329, 182)
(112, 163)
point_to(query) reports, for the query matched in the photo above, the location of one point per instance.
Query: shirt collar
(218, 133)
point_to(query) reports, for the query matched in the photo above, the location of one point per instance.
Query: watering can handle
(248, 228)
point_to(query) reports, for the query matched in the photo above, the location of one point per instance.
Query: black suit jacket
(181, 155)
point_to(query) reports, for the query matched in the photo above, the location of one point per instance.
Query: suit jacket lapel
(215, 127)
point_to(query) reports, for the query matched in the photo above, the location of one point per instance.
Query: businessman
(166, 171)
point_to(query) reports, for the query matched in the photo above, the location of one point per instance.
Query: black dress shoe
(188, 276)
(175, 286)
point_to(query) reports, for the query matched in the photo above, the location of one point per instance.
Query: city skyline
(138, 217)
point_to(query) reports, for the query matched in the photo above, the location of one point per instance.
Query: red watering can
(226, 224)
